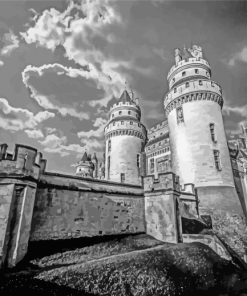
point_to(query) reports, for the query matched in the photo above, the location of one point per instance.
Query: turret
(125, 138)
(95, 162)
(198, 142)
(85, 166)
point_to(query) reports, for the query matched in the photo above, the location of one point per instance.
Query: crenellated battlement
(122, 105)
(124, 127)
(158, 127)
(193, 91)
(164, 182)
(25, 161)
(187, 62)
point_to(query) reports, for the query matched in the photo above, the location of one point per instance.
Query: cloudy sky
(62, 63)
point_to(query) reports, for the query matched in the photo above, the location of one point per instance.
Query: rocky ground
(135, 265)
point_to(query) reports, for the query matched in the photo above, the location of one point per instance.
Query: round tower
(85, 166)
(125, 138)
(198, 142)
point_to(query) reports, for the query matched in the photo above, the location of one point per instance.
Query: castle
(149, 181)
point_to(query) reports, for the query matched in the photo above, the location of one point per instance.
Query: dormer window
(212, 132)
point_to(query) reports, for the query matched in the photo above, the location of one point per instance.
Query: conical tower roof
(125, 97)
(84, 157)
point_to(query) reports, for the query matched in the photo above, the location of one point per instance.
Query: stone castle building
(154, 181)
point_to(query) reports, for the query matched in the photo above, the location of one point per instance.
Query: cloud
(240, 110)
(34, 134)
(1, 63)
(11, 42)
(57, 144)
(43, 100)
(74, 29)
(19, 118)
(239, 56)
(94, 138)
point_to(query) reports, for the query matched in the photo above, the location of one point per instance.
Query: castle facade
(154, 181)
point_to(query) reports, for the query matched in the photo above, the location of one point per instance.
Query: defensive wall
(36, 205)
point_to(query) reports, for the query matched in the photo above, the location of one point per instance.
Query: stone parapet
(164, 182)
(185, 63)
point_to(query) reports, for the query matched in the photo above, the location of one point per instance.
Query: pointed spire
(84, 157)
(125, 97)
(94, 156)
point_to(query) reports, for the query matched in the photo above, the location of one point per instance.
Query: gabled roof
(125, 97)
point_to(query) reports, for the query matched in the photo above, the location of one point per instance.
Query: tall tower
(125, 138)
(198, 142)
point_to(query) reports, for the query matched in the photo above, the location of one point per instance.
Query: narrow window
(180, 114)
(217, 160)
(109, 145)
(120, 112)
(122, 177)
(200, 82)
(151, 165)
(112, 115)
(131, 122)
(138, 160)
(108, 166)
(113, 123)
(129, 112)
(183, 73)
(173, 79)
(212, 132)
(196, 71)
(122, 122)
(187, 84)
(212, 83)
(175, 90)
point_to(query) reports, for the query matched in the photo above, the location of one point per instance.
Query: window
(109, 145)
(175, 90)
(112, 115)
(187, 84)
(180, 114)
(131, 122)
(183, 73)
(122, 122)
(120, 112)
(114, 123)
(217, 160)
(200, 82)
(108, 166)
(138, 160)
(151, 165)
(122, 176)
(129, 112)
(173, 79)
(196, 71)
(212, 132)
(212, 83)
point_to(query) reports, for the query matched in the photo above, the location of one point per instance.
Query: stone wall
(63, 213)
